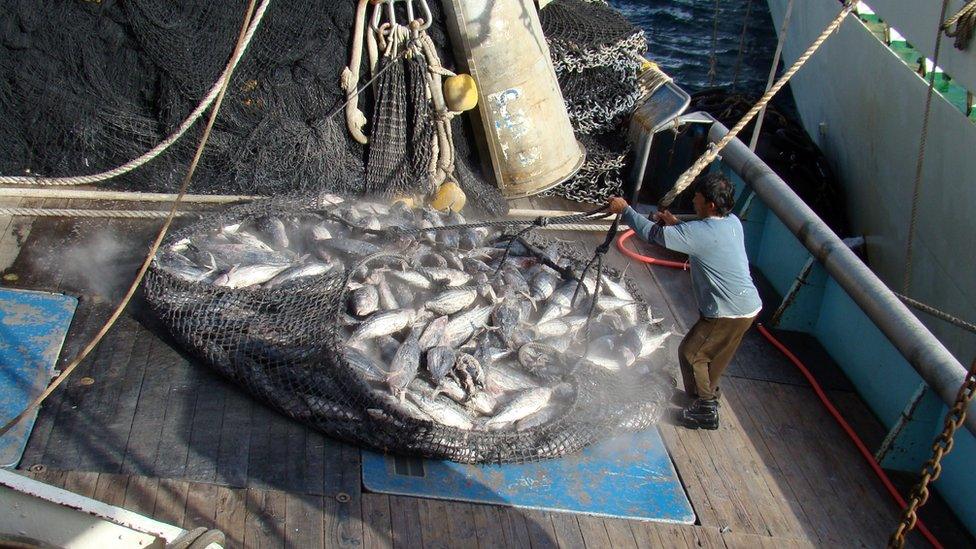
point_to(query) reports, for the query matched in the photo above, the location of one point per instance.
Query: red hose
(847, 428)
(645, 259)
(813, 382)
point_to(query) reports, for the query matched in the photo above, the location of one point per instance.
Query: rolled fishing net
(88, 86)
(457, 343)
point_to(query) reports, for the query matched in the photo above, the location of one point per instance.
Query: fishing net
(598, 56)
(88, 86)
(289, 346)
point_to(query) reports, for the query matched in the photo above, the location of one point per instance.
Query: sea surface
(680, 39)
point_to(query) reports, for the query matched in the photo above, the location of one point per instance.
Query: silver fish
(607, 353)
(543, 284)
(552, 328)
(440, 361)
(248, 275)
(502, 378)
(482, 402)
(388, 346)
(404, 366)
(388, 301)
(365, 301)
(413, 278)
(366, 366)
(543, 416)
(383, 323)
(442, 412)
(351, 246)
(463, 326)
(616, 289)
(452, 277)
(320, 232)
(291, 274)
(449, 302)
(406, 408)
(274, 229)
(433, 334)
(525, 403)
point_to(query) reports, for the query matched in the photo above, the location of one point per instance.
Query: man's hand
(617, 205)
(665, 217)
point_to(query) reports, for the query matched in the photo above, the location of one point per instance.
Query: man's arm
(663, 233)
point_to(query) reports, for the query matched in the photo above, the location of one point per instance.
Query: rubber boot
(702, 414)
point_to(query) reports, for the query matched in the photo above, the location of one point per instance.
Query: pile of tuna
(411, 330)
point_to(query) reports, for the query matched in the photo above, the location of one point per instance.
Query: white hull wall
(863, 106)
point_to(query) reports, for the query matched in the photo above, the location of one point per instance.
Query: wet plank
(205, 430)
(149, 418)
(594, 532)
(171, 496)
(119, 425)
(110, 488)
(491, 524)
(235, 439)
(539, 527)
(303, 521)
(434, 524)
(405, 518)
(567, 529)
(230, 514)
(620, 533)
(81, 483)
(201, 505)
(377, 521)
(175, 432)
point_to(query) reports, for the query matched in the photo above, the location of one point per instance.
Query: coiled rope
(965, 22)
(689, 176)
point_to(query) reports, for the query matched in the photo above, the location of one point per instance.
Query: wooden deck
(161, 435)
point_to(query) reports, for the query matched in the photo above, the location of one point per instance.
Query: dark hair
(717, 188)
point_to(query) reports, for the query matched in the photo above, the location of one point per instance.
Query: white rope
(158, 149)
(127, 196)
(712, 153)
(772, 73)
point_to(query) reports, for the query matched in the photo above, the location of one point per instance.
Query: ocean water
(679, 37)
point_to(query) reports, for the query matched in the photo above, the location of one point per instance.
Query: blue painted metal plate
(33, 326)
(630, 477)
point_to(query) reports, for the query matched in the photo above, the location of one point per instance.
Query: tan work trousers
(706, 350)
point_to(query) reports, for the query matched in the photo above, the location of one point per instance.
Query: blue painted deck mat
(626, 477)
(33, 326)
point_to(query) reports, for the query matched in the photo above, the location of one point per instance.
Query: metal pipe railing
(926, 354)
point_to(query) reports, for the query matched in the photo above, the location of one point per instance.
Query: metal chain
(933, 467)
(920, 160)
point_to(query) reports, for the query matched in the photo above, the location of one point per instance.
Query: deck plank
(303, 521)
(434, 521)
(201, 505)
(514, 526)
(539, 527)
(377, 521)
(81, 482)
(594, 531)
(343, 522)
(130, 387)
(490, 526)
(567, 530)
(205, 429)
(150, 414)
(140, 494)
(230, 514)
(171, 496)
(174, 433)
(405, 518)
(110, 488)
(461, 524)
(235, 439)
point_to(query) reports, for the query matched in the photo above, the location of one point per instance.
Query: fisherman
(728, 301)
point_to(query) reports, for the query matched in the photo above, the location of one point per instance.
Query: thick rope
(247, 31)
(772, 74)
(161, 147)
(689, 176)
(920, 160)
(965, 22)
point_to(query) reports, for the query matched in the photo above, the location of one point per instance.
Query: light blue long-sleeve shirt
(717, 256)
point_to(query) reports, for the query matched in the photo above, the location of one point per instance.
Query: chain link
(933, 467)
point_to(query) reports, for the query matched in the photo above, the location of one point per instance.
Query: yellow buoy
(460, 92)
(449, 195)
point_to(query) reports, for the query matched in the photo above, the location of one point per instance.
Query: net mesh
(289, 344)
(88, 86)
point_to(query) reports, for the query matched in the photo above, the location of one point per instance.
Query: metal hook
(391, 15)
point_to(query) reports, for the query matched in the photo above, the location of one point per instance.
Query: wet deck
(159, 434)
